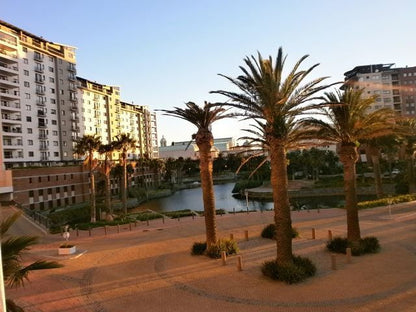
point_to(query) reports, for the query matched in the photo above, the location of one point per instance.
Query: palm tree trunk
(375, 160)
(108, 188)
(348, 156)
(205, 167)
(282, 217)
(124, 183)
(92, 184)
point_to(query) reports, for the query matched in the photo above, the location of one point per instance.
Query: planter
(69, 250)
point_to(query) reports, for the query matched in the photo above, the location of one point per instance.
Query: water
(192, 199)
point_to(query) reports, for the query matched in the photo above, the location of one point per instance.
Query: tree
(106, 164)
(86, 146)
(349, 121)
(15, 273)
(203, 118)
(275, 103)
(124, 143)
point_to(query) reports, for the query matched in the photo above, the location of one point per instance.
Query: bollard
(231, 236)
(179, 218)
(135, 223)
(130, 226)
(163, 220)
(105, 229)
(348, 250)
(233, 210)
(313, 233)
(333, 262)
(193, 217)
(89, 231)
(239, 263)
(329, 235)
(246, 235)
(147, 222)
(118, 228)
(224, 257)
(77, 232)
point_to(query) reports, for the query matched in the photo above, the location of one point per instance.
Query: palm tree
(87, 145)
(107, 150)
(124, 143)
(15, 273)
(275, 103)
(406, 130)
(348, 122)
(203, 118)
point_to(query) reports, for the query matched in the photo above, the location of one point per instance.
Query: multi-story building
(39, 109)
(140, 122)
(100, 109)
(395, 87)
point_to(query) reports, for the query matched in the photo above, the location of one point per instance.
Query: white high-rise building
(39, 108)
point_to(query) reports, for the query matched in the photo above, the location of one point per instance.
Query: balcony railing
(40, 92)
(38, 57)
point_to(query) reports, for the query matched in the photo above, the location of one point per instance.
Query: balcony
(40, 91)
(10, 105)
(73, 99)
(38, 57)
(43, 147)
(39, 69)
(72, 78)
(12, 130)
(74, 107)
(41, 113)
(40, 80)
(8, 69)
(71, 67)
(43, 136)
(42, 125)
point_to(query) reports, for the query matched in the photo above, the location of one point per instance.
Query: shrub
(366, 245)
(228, 245)
(198, 248)
(295, 272)
(270, 231)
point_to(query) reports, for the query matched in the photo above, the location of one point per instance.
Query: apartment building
(395, 87)
(100, 109)
(39, 107)
(140, 123)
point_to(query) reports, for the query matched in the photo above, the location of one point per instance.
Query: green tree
(15, 272)
(275, 104)
(203, 118)
(86, 146)
(348, 121)
(124, 143)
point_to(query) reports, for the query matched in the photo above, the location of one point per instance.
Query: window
(30, 142)
(65, 154)
(63, 113)
(51, 79)
(31, 154)
(53, 101)
(52, 90)
(56, 154)
(24, 49)
(28, 118)
(61, 91)
(51, 69)
(54, 122)
(30, 180)
(26, 61)
(55, 143)
(53, 111)
(29, 130)
(49, 178)
(64, 133)
(26, 84)
(26, 72)
(27, 95)
(40, 192)
(40, 180)
(28, 108)
(58, 190)
(31, 193)
(54, 133)
(50, 58)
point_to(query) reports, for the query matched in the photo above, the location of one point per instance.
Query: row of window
(49, 203)
(32, 154)
(49, 178)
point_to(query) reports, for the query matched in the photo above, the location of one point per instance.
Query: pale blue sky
(165, 53)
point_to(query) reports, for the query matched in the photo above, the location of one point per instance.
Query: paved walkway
(149, 268)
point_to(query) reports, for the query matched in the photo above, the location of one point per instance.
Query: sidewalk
(150, 268)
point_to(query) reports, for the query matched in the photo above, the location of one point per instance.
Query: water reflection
(192, 199)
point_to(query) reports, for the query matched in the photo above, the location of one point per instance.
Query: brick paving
(149, 267)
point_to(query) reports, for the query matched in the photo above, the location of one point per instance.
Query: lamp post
(246, 193)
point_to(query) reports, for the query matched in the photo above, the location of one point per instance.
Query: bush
(198, 248)
(270, 231)
(295, 272)
(228, 245)
(364, 246)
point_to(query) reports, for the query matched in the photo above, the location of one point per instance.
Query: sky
(165, 53)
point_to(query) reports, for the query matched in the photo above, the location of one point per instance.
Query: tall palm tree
(107, 150)
(15, 272)
(275, 103)
(406, 130)
(124, 143)
(86, 146)
(348, 122)
(203, 118)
